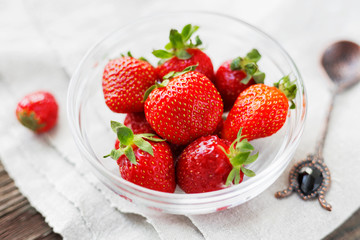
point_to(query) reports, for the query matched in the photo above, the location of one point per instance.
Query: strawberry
(143, 159)
(184, 108)
(210, 163)
(38, 111)
(124, 83)
(260, 110)
(181, 52)
(137, 123)
(234, 76)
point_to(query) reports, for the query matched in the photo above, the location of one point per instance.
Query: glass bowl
(224, 38)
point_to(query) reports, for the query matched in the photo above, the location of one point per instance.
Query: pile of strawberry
(174, 132)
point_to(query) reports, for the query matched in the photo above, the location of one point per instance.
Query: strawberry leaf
(237, 177)
(223, 149)
(168, 46)
(293, 106)
(239, 159)
(185, 33)
(143, 59)
(238, 136)
(250, 68)
(235, 64)
(173, 74)
(29, 120)
(148, 91)
(183, 54)
(176, 39)
(253, 55)
(178, 44)
(192, 31)
(147, 134)
(162, 54)
(153, 139)
(188, 31)
(230, 177)
(129, 152)
(247, 79)
(244, 146)
(198, 42)
(240, 155)
(187, 69)
(125, 135)
(247, 172)
(259, 77)
(251, 159)
(143, 145)
(115, 154)
(288, 87)
(115, 125)
(169, 75)
(249, 65)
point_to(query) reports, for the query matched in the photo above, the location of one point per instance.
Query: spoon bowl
(341, 62)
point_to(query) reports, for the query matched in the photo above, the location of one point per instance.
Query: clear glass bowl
(224, 38)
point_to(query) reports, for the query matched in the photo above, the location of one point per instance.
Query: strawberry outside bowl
(224, 38)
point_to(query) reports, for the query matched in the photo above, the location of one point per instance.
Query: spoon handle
(321, 142)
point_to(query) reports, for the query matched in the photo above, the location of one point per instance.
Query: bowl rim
(77, 135)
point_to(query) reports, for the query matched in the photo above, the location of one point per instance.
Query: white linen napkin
(43, 43)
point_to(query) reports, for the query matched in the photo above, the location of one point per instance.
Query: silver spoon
(310, 178)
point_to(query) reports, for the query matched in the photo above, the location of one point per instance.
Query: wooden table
(18, 220)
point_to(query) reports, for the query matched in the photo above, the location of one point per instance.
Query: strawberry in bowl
(210, 163)
(234, 76)
(143, 159)
(184, 107)
(260, 110)
(124, 83)
(182, 52)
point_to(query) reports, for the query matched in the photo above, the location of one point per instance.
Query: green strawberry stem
(127, 139)
(29, 120)
(239, 155)
(178, 44)
(289, 88)
(166, 80)
(249, 65)
(130, 55)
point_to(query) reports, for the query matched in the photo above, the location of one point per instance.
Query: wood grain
(18, 220)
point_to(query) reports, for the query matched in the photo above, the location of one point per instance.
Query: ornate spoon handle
(310, 178)
(320, 145)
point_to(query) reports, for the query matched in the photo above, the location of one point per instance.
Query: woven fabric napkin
(42, 42)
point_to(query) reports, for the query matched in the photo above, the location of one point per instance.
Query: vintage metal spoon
(310, 178)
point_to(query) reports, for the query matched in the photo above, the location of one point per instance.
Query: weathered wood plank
(18, 220)
(350, 230)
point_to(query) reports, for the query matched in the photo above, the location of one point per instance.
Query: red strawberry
(260, 110)
(234, 76)
(137, 123)
(38, 111)
(144, 159)
(125, 81)
(185, 108)
(181, 53)
(210, 163)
